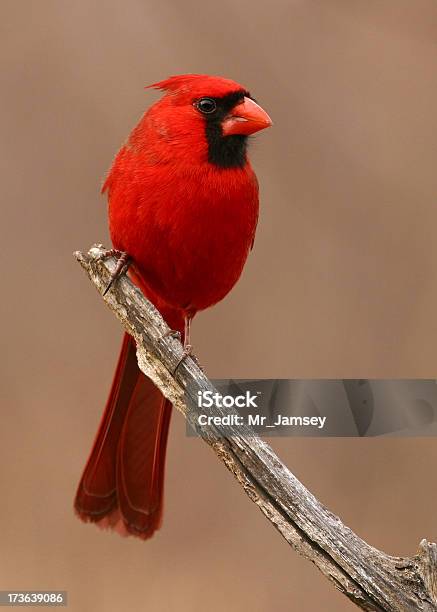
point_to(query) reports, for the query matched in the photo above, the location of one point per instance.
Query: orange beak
(246, 118)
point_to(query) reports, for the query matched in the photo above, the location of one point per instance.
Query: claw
(188, 352)
(108, 286)
(172, 333)
(122, 265)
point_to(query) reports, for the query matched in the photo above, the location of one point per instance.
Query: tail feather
(122, 485)
(141, 458)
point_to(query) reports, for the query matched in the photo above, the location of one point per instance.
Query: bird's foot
(188, 352)
(123, 263)
(172, 333)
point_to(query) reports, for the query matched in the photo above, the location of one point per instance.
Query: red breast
(183, 198)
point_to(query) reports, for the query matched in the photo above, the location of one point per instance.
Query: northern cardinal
(183, 206)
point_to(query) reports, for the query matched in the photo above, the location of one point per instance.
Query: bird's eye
(206, 105)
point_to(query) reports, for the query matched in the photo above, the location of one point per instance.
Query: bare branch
(370, 578)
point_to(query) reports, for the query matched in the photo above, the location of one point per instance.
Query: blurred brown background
(342, 282)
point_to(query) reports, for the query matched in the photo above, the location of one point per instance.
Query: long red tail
(122, 484)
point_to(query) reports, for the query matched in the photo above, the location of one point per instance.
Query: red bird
(183, 206)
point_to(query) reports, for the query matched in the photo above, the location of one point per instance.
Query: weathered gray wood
(370, 578)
